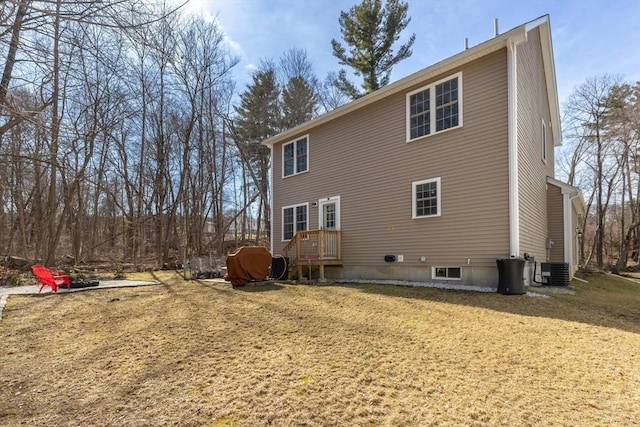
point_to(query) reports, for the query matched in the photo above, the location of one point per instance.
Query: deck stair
(314, 248)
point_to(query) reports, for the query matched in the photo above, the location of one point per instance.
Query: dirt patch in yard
(196, 353)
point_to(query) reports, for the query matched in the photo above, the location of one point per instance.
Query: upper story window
(294, 219)
(295, 156)
(426, 198)
(544, 141)
(435, 108)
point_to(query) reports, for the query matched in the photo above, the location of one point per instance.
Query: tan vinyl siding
(556, 223)
(533, 109)
(363, 158)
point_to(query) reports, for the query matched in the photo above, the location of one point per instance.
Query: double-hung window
(294, 219)
(435, 108)
(426, 198)
(295, 156)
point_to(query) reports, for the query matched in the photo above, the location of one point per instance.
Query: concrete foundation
(471, 275)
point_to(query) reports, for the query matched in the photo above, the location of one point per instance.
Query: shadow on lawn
(215, 284)
(572, 308)
(259, 287)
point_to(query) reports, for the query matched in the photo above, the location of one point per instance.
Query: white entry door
(329, 213)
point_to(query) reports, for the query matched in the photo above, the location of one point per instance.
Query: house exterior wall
(555, 212)
(533, 169)
(364, 158)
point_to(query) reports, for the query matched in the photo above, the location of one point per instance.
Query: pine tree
(258, 112)
(370, 31)
(299, 94)
(258, 118)
(298, 102)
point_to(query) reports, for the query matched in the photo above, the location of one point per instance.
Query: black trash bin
(279, 268)
(510, 276)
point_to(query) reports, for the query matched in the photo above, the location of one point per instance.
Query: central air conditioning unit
(555, 273)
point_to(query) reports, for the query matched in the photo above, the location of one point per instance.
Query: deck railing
(314, 245)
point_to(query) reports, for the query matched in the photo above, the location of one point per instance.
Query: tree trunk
(52, 202)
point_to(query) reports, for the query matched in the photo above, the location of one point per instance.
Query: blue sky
(590, 37)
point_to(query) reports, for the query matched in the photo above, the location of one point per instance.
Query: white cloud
(589, 37)
(199, 8)
(236, 48)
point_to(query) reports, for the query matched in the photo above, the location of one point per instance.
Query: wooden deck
(314, 248)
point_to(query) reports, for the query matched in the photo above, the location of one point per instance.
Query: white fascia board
(414, 79)
(578, 203)
(564, 187)
(550, 76)
(575, 193)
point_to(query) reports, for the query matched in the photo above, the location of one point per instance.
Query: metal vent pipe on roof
(495, 27)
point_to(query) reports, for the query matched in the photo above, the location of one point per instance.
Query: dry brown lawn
(196, 353)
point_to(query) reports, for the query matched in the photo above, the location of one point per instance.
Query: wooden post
(298, 263)
(321, 244)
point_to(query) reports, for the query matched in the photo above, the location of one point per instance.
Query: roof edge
(447, 64)
(566, 188)
(577, 199)
(456, 60)
(544, 23)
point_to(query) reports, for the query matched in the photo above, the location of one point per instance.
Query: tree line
(112, 135)
(123, 136)
(601, 122)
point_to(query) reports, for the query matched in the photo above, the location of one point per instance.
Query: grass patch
(197, 353)
(608, 296)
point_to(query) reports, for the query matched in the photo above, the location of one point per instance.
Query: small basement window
(446, 273)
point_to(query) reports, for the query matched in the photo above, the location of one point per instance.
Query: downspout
(271, 237)
(566, 207)
(514, 203)
(569, 231)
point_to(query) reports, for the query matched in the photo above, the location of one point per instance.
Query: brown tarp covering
(249, 263)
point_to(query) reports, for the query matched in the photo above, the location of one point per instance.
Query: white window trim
(413, 197)
(432, 111)
(434, 268)
(295, 163)
(295, 230)
(544, 141)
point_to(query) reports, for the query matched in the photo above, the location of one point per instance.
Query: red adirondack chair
(47, 278)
